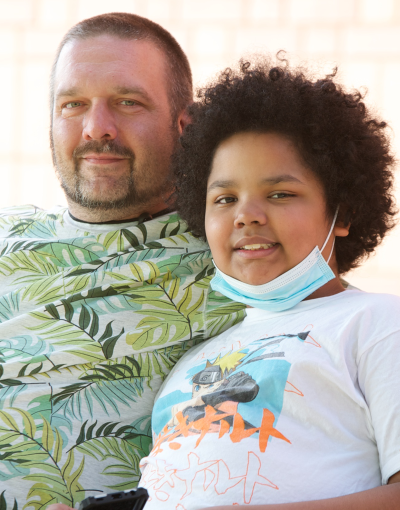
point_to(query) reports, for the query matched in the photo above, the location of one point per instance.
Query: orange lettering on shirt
(267, 429)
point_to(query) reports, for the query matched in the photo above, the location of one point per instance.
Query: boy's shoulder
(376, 302)
(371, 317)
(367, 304)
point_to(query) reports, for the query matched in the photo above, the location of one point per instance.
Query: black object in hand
(124, 500)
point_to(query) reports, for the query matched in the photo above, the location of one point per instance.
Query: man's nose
(99, 123)
(250, 213)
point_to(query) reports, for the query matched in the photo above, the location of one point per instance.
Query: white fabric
(328, 376)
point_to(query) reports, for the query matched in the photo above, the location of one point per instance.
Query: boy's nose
(250, 214)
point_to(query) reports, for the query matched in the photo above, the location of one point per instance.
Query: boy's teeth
(257, 246)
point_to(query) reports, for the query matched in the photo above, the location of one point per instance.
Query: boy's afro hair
(337, 137)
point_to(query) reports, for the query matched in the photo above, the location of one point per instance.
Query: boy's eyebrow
(269, 180)
(281, 178)
(221, 184)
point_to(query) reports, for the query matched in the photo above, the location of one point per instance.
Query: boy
(290, 181)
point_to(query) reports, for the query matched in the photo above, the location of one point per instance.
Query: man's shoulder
(30, 211)
(23, 220)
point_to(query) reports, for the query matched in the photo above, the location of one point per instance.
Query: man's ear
(183, 120)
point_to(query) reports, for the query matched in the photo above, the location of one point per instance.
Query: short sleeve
(379, 379)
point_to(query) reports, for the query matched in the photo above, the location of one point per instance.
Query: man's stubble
(140, 187)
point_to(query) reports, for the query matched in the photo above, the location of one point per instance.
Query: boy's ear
(340, 229)
(343, 223)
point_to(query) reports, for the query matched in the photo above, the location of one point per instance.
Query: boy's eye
(226, 200)
(197, 387)
(281, 195)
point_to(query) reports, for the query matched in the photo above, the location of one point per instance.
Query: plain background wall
(362, 37)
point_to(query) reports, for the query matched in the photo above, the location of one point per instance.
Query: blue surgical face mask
(285, 291)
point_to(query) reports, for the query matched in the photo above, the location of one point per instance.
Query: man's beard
(125, 193)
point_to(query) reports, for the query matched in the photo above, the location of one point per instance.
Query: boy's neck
(329, 289)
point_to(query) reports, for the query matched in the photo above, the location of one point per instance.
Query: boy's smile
(265, 209)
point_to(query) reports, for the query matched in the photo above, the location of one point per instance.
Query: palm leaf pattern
(92, 319)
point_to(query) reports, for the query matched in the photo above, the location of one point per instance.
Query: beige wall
(361, 36)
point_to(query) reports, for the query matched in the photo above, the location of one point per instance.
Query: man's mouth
(253, 247)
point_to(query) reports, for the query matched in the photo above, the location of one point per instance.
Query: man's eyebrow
(125, 91)
(74, 91)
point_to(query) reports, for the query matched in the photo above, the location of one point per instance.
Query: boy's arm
(386, 497)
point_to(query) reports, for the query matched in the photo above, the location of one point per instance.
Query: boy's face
(265, 209)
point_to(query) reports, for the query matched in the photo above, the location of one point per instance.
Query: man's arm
(386, 497)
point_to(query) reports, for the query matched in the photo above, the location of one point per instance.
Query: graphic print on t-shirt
(236, 394)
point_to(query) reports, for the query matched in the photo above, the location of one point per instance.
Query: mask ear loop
(329, 235)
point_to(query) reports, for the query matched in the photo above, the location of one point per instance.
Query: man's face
(112, 134)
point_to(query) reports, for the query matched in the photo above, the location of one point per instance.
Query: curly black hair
(337, 137)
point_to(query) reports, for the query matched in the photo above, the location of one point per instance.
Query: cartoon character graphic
(223, 389)
(228, 395)
(211, 387)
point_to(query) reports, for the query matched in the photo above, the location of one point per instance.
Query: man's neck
(86, 215)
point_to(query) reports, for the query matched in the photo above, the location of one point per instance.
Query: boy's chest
(246, 375)
(273, 398)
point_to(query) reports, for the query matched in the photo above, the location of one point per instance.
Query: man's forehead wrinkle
(100, 49)
(78, 71)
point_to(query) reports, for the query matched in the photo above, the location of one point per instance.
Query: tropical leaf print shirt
(92, 319)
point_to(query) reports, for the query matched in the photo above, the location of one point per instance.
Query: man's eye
(226, 200)
(128, 102)
(72, 104)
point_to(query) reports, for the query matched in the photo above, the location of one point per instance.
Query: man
(98, 301)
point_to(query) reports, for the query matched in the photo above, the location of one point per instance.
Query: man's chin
(101, 201)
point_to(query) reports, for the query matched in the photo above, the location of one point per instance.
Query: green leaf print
(36, 450)
(91, 323)
(71, 336)
(125, 445)
(31, 227)
(23, 348)
(112, 385)
(3, 503)
(9, 306)
(170, 318)
(80, 337)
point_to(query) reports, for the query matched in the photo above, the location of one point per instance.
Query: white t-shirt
(291, 406)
